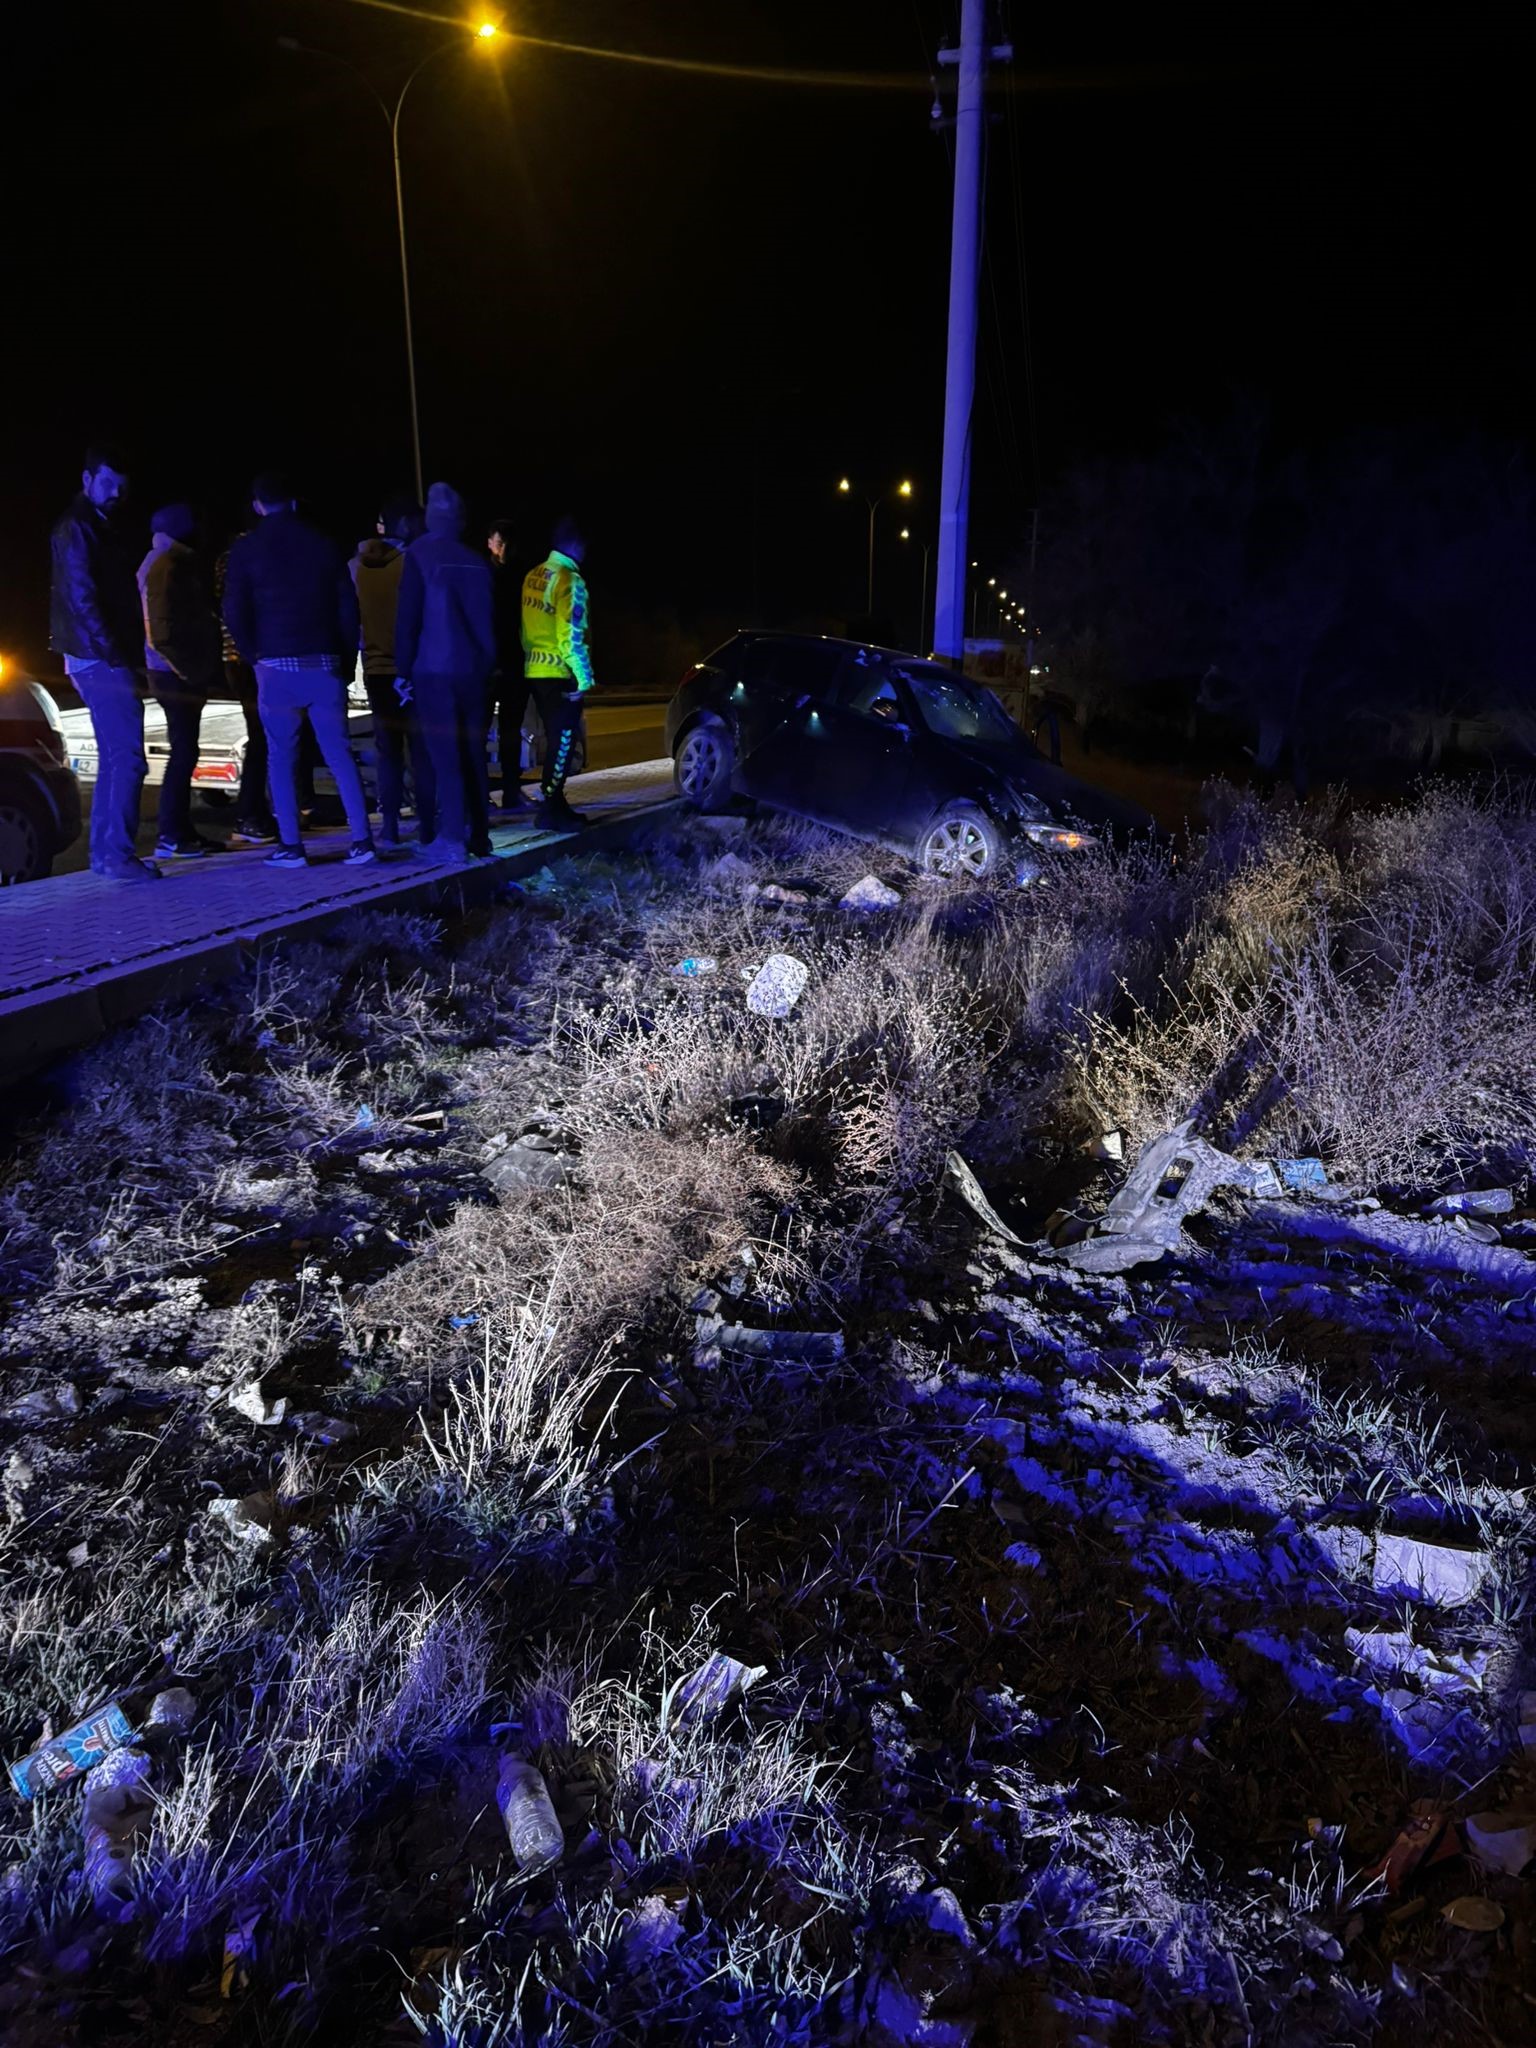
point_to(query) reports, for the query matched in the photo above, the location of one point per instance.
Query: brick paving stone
(77, 931)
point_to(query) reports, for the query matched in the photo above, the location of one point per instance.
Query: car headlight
(1066, 837)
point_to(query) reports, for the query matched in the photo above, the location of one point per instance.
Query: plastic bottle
(695, 965)
(529, 1817)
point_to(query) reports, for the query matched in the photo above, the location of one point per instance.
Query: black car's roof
(835, 640)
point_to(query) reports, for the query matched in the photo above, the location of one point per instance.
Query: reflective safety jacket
(555, 624)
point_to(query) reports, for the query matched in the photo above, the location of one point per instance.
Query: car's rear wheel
(962, 841)
(26, 852)
(704, 761)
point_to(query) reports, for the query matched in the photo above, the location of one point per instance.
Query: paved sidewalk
(79, 954)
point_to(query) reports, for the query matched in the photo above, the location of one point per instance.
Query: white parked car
(221, 752)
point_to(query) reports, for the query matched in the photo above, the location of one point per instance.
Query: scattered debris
(1107, 1145)
(784, 1347)
(1425, 1243)
(1297, 1175)
(171, 1712)
(1394, 1650)
(654, 1930)
(778, 985)
(1474, 1915)
(1174, 1178)
(1502, 1841)
(54, 1403)
(695, 966)
(959, 1178)
(790, 895)
(871, 894)
(709, 1691)
(1427, 1838)
(1404, 1567)
(322, 1429)
(72, 1754)
(248, 1521)
(117, 1811)
(252, 1403)
(528, 1814)
(239, 1948)
(532, 1161)
(728, 871)
(1480, 1202)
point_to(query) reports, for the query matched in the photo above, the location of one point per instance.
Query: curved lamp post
(901, 490)
(484, 35)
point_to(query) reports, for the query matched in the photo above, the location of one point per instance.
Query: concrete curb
(48, 1023)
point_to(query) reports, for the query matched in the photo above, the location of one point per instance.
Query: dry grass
(935, 1704)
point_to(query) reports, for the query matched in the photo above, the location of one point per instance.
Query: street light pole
(405, 292)
(486, 32)
(902, 490)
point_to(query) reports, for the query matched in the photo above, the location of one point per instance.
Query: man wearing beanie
(445, 648)
(292, 612)
(183, 646)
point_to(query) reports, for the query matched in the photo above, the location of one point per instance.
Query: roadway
(621, 732)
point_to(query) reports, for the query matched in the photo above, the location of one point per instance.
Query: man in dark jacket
(184, 650)
(96, 624)
(376, 570)
(445, 648)
(291, 608)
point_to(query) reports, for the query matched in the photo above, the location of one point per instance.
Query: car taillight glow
(216, 771)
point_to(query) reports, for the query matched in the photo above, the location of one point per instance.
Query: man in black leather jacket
(96, 624)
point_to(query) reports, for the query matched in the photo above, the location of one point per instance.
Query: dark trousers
(182, 703)
(253, 805)
(111, 695)
(559, 712)
(396, 736)
(451, 710)
(506, 702)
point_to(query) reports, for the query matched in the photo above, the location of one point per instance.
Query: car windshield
(957, 710)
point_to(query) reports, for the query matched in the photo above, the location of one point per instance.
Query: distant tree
(1378, 587)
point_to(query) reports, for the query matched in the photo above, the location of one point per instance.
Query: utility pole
(964, 288)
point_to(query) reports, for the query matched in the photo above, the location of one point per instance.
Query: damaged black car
(883, 745)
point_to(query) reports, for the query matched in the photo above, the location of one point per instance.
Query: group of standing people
(448, 636)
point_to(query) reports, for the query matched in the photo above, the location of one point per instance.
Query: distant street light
(922, 616)
(484, 34)
(901, 490)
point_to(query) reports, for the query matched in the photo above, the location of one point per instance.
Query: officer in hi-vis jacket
(556, 662)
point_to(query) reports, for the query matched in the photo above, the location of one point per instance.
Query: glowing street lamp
(483, 34)
(846, 490)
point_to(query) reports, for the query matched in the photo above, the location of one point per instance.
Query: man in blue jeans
(445, 648)
(96, 624)
(291, 609)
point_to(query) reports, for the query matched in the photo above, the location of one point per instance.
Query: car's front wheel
(962, 840)
(26, 851)
(704, 760)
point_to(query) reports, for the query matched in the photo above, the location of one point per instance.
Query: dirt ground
(437, 1346)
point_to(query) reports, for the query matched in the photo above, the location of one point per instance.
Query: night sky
(684, 304)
